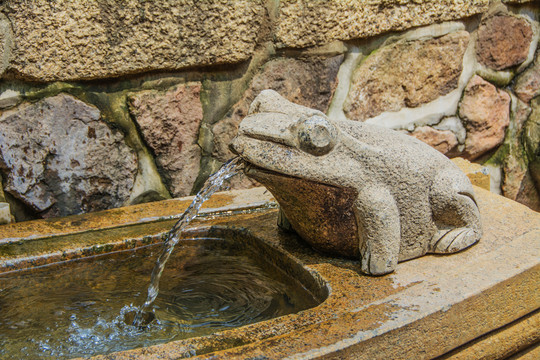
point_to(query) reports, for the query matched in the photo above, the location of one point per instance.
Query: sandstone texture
(70, 40)
(485, 112)
(310, 82)
(532, 132)
(477, 174)
(307, 23)
(5, 214)
(9, 98)
(528, 194)
(443, 141)
(59, 158)
(514, 171)
(532, 144)
(527, 85)
(503, 41)
(520, 168)
(464, 303)
(407, 73)
(169, 122)
(518, 183)
(6, 40)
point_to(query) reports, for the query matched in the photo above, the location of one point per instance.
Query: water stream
(213, 184)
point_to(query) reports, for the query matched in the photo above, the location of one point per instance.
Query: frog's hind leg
(455, 213)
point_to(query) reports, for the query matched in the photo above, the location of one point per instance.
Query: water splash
(213, 184)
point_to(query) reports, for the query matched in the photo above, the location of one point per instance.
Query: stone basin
(482, 302)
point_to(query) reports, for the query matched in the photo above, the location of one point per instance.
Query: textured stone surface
(503, 41)
(9, 98)
(5, 213)
(519, 165)
(532, 132)
(356, 189)
(442, 140)
(514, 171)
(60, 158)
(169, 122)
(6, 40)
(407, 73)
(531, 136)
(478, 174)
(528, 193)
(67, 40)
(520, 114)
(430, 306)
(485, 112)
(527, 84)
(307, 23)
(310, 82)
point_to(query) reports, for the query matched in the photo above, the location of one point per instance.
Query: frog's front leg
(379, 231)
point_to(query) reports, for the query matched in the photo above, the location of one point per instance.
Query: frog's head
(283, 137)
(296, 153)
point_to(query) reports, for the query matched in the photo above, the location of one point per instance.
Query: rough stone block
(169, 122)
(310, 82)
(527, 85)
(71, 40)
(9, 98)
(5, 213)
(485, 111)
(304, 23)
(6, 40)
(443, 141)
(60, 158)
(407, 73)
(503, 41)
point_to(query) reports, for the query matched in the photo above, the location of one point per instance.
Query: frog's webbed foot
(455, 212)
(378, 230)
(454, 240)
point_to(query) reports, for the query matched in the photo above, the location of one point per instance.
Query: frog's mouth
(260, 174)
(271, 177)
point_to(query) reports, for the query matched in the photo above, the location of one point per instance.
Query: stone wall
(107, 103)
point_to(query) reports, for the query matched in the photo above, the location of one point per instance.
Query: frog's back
(410, 170)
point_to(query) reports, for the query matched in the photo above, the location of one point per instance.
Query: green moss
(34, 94)
(222, 89)
(499, 78)
(531, 132)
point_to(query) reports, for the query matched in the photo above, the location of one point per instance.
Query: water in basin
(78, 308)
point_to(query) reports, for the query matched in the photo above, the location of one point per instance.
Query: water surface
(77, 308)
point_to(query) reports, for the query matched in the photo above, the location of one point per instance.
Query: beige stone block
(407, 73)
(305, 23)
(72, 40)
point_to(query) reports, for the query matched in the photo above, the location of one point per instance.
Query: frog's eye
(316, 135)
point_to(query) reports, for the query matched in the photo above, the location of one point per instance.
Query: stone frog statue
(354, 189)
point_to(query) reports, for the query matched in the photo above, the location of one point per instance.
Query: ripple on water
(79, 308)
